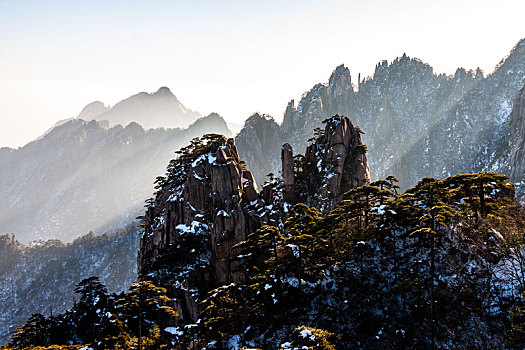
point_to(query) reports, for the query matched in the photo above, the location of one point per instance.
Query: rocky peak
(92, 110)
(290, 108)
(202, 200)
(212, 119)
(259, 118)
(288, 171)
(517, 52)
(479, 74)
(336, 162)
(134, 128)
(164, 91)
(209, 202)
(340, 78)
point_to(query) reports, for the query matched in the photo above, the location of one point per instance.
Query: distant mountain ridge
(92, 110)
(417, 123)
(150, 110)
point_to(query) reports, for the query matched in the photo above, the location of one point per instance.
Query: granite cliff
(209, 202)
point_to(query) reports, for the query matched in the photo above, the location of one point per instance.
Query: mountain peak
(214, 115)
(259, 116)
(163, 91)
(340, 76)
(92, 110)
(519, 46)
(151, 110)
(5, 150)
(212, 119)
(516, 55)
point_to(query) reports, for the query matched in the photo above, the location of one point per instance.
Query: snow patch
(174, 330)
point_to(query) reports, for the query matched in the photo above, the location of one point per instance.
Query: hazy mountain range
(83, 176)
(86, 176)
(150, 110)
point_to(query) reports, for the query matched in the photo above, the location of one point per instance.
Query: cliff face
(515, 140)
(339, 160)
(202, 203)
(208, 202)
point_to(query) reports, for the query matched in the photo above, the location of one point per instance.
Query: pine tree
(311, 338)
(228, 310)
(301, 238)
(92, 313)
(259, 253)
(36, 332)
(142, 306)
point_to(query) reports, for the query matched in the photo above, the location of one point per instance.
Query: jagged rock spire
(288, 173)
(336, 163)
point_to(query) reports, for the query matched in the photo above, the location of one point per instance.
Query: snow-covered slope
(41, 278)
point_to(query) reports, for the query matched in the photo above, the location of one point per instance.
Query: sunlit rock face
(337, 161)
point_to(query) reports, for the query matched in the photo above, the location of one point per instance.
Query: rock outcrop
(337, 161)
(515, 139)
(203, 200)
(288, 172)
(209, 202)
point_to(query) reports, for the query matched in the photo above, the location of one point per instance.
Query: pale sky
(230, 57)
